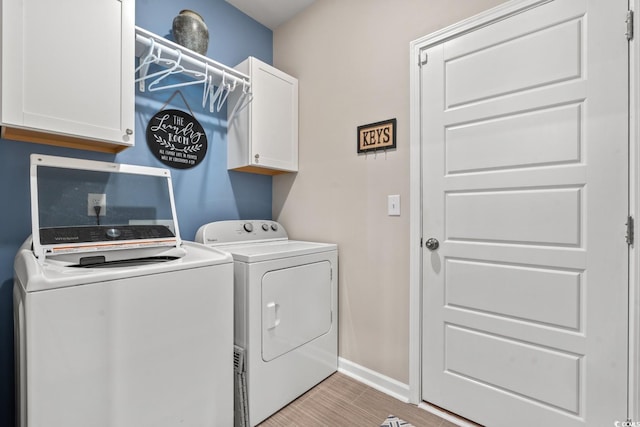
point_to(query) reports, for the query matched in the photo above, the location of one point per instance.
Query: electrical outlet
(96, 199)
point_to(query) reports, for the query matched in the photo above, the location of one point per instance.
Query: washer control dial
(113, 233)
(248, 227)
(274, 227)
(265, 227)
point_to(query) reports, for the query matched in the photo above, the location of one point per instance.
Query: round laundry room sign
(176, 138)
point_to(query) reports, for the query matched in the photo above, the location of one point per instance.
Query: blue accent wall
(206, 192)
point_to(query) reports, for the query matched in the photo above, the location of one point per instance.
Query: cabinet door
(274, 118)
(68, 68)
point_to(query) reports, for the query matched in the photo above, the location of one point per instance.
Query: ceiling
(271, 13)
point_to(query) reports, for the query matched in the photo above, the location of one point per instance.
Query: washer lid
(67, 270)
(275, 250)
(87, 206)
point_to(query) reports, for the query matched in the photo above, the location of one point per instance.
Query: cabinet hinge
(629, 22)
(630, 231)
(423, 58)
(421, 242)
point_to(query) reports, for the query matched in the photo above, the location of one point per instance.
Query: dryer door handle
(272, 315)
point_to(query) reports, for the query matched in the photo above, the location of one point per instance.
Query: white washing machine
(120, 324)
(286, 313)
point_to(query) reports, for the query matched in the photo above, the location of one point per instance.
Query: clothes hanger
(244, 100)
(149, 58)
(207, 89)
(218, 92)
(155, 59)
(171, 70)
(199, 78)
(226, 92)
(210, 92)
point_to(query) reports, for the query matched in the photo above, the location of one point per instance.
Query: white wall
(352, 61)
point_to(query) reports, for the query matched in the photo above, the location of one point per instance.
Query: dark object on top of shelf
(190, 31)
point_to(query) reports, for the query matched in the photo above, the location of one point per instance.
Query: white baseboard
(393, 388)
(383, 383)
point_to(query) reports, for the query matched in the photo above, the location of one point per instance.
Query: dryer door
(296, 307)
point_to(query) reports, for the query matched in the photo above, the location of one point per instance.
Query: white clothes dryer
(286, 313)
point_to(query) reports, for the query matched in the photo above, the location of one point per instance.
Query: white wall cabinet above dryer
(67, 75)
(263, 137)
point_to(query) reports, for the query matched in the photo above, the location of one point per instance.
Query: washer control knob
(274, 227)
(265, 227)
(112, 233)
(248, 227)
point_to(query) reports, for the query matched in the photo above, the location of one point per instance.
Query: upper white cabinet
(263, 137)
(67, 73)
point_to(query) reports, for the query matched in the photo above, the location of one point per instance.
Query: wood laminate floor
(342, 401)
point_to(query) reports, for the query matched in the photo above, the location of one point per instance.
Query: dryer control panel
(240, 231)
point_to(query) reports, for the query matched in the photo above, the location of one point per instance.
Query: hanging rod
(195, 62)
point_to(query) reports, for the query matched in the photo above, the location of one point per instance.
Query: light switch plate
(393, 205)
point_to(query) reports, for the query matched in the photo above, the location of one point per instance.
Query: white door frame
(415, 208)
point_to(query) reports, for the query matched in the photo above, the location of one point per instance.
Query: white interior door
(525, 154)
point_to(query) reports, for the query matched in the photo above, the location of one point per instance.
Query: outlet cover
(96, 199)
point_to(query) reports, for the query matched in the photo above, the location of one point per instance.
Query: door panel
(548, 216)
(524, 141)
(529, 294)
(552, 378)
(515, 141)
(296, 307)
(473, 76)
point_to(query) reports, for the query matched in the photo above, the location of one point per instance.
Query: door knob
(432, 244)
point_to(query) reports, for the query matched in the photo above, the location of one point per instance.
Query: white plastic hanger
(149, 59)
(223, 97)
(177, 68)
(199, 76)
(211, 93)
(244, 100)
(207, 88)
(216, 95)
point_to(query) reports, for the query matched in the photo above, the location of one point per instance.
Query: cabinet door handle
(257, 158)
